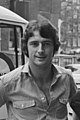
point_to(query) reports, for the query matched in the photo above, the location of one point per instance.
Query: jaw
(41, 62)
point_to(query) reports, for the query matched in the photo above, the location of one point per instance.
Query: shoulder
(65, 75)
(63, 70)
(14, 74)
(67, 79)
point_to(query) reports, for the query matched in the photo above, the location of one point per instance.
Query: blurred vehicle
(75, 68)
(13, 26)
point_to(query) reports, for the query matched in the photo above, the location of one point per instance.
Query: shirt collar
(54, 67)
(56, 73)
(26, 68)
(56, 70)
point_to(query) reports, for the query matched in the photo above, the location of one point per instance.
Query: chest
(31, 99)
(45, 88)
(39, 91)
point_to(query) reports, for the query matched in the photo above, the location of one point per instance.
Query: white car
(75, 68)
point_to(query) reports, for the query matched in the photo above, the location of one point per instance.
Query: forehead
(37, 37)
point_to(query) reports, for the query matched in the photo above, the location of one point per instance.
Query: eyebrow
(50, 41)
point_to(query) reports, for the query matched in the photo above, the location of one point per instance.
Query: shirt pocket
(24, 104)
(61, 111)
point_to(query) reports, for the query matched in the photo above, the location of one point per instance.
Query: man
(38, 90)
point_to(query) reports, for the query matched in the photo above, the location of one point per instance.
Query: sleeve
(7, 82)
(73, 87)
(75, 103)
(2, 95)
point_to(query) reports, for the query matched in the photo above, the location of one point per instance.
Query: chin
(40, 64)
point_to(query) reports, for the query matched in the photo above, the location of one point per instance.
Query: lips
(40, 57)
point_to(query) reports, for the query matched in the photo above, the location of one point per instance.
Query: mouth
(40, 57)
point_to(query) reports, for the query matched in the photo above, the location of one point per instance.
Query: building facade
(66, 10)
(5, 3)
(29, 9)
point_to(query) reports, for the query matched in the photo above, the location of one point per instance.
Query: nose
(40, 48)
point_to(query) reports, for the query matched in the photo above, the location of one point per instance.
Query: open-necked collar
(56, 71)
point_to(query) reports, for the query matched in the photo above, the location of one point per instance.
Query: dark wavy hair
(46, 30)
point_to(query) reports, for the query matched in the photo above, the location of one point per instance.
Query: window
(12, 38)
(79, 41)
(63, 5)
(69, 42)
(75, 41)
(79, 27)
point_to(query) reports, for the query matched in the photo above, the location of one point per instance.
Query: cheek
(31, 51)
(50, 52)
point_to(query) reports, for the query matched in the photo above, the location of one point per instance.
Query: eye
(47, 43)
(34, 43)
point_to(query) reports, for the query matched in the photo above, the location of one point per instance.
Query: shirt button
(22, 105)
(43, 98)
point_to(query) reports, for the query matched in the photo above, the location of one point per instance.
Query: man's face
(40, 50)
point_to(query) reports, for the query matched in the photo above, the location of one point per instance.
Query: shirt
(26, 101)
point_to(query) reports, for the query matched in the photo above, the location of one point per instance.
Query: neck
(41, 73)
